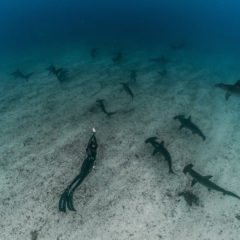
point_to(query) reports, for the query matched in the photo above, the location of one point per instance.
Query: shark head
(151, 139)
(221, 85)
(100, 100)
(187, 168)
(179, 117)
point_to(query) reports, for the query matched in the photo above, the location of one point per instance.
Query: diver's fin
(194, 181)
(62, 202)
(70, 202)
(227, 95)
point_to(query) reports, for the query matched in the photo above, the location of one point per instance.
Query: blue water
(38, 22)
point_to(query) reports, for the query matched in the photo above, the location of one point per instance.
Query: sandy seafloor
(45, 127)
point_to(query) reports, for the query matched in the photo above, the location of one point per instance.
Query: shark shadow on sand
(66, 199)
(189, 197)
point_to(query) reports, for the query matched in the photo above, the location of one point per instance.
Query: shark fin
(155, 151)
(162, 143)
(189, 118)
(227, 95)
(194, 181)
(182, 126)
(237, 83)
(28, 76)
(208, 177)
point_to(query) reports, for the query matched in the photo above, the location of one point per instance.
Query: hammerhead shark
(127, 89)
(205, 181)
(178, 46)
(161, 60)
(163, 73)
(20, 74)
(230, 88)
(117, 58)
(160, 148)
(60, 73)
(102, 106)
(54, 70)
(133, 76)
(94, 52)
(187, 123)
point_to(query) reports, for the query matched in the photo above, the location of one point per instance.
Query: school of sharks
(158, 145)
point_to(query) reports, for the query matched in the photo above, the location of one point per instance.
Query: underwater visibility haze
(120, 119)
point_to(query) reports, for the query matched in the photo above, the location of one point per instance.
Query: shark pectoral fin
(227, 95)
(237, 83)
(208, 177)
(194, 181)
(181, 127)
(154, 152)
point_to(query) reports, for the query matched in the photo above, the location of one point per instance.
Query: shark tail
(203, 137)
(232, 194)
(111, 113)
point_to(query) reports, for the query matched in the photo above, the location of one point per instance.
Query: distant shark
(133, 76)
(163, 73)
(230, 88)
(20, 74)
(94, 52)
(127, 89)
(60, 73)
(178, 46)
(161, 60)
(187, 123)
(205, 181)
(160, 148)
(54, 70)
(103, 108)
(117, 58)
